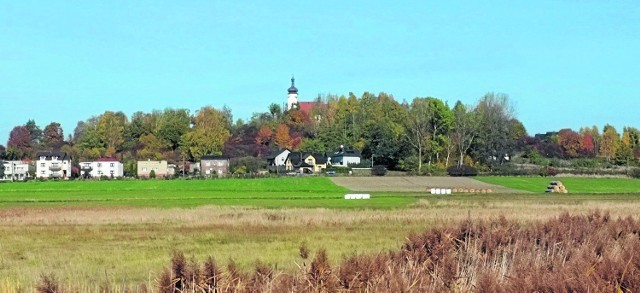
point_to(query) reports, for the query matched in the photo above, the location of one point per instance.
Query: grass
(307, 192)
(573, 184)
(123, 233)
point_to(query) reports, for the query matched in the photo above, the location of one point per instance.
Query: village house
(276, 159)
(344, 157)
(214, 165)
(160, 168)
(306, 162)
(15, 170)
(109, 167)
(53, 165)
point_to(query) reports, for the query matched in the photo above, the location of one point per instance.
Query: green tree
(172, 125)
(494, 142)
(465, 129)
(208, 135)
(34, 131)
(151, 148)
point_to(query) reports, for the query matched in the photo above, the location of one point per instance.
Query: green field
(307, 192)
(574, 185)
(122, 233)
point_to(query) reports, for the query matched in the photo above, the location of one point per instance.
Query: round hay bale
(466, 190)
(489, 190)
(454, 190)
(483, 191)
(472, 190)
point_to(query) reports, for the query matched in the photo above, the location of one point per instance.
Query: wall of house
(104, 168)
(280, 159)
(145, 167)
(214, 167)
(16, 170)
(43, 168)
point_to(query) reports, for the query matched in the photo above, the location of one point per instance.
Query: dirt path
(415, 184)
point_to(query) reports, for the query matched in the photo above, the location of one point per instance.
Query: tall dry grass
(568, 253)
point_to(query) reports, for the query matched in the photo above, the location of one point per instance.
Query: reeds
(568, 253)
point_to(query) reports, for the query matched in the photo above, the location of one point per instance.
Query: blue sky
(562, 63)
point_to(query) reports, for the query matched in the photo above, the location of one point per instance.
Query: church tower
(292, 100)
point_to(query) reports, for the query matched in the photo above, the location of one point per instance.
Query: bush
(379, 170)
(548, 171)
(463, 170)
(152, 174)
(634, 173)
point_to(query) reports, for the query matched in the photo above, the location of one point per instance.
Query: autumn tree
(208, 134)
(151, 147)
(570, 142)
(264, 135)
(20, 144)
(282, 137)
(53, 137)
(609, 142)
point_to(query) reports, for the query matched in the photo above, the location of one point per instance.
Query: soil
(415, 184)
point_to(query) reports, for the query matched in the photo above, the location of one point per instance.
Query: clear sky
(562, 63)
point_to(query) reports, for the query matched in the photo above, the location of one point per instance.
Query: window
(99, 165)
(111, 172)
(310, 161)
(41, 164)
(144, 169)
(42, 172)
(111, 165)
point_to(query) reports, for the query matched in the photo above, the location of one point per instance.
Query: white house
(278, 157)
(53, 165)
(344, 158)
(15, 170)
(109, 167)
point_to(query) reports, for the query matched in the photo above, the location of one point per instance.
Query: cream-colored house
(159, 167)
(306, 162)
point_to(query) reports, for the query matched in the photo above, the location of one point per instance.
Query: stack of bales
(556, 186)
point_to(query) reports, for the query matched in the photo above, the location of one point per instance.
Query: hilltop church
(293, 103)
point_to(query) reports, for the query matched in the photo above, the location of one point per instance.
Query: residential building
(15, 170)
(53, 165)
(306, 162)
(344, 157)
(160, 168)
(214, 165)
(276, 159)
(109, 167)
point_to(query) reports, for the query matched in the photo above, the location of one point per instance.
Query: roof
(347, 153)
(306, 107)
(214, 158)
(62, 156)
(293, 89)
(274, 154)
(107, 160)
(298, 159)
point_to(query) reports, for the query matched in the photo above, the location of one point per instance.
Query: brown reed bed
(568, 253)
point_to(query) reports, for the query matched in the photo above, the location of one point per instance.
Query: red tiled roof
(107, 160)
(306, 107)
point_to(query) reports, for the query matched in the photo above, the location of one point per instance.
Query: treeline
(420, 136)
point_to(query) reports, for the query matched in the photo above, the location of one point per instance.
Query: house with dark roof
(306, 162)
(278, 157)
(212, 165)
(345, 157)
(53, 165)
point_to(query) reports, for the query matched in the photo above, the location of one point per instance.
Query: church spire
(293, 89)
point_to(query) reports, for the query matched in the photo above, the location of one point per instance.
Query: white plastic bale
(448, 191)
(433, 191)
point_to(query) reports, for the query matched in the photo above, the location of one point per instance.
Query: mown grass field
(122, 233)
(573, 184)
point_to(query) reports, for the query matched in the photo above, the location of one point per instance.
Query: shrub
(463, 170)
(379, 170)
(48, 284)
(634, 173)
(548, 171)
(152, 174)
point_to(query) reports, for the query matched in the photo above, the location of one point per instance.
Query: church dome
(293, 89)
